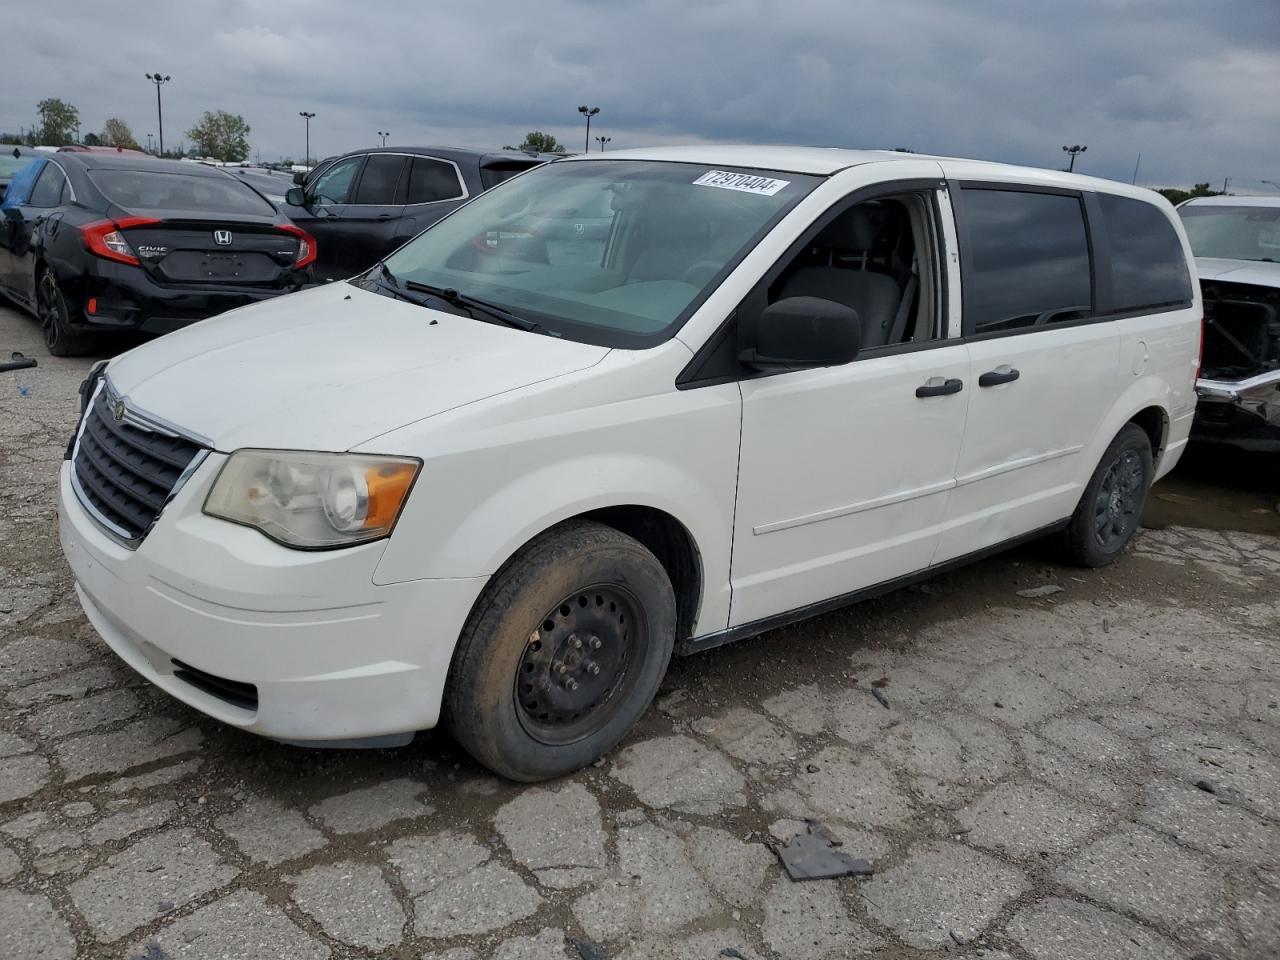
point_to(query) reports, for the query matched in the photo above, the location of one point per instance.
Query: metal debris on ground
(1208, 786)
(588, 950)
(731, 952)
(879, 695)
(1033, 593)
(812, 855)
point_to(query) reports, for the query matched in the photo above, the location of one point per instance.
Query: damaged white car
(1236, 241)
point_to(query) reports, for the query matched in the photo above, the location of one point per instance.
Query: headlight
(312, 501)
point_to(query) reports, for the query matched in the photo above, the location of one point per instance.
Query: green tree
(221, 135)
(116, 133)
(92, 140)
(1175, 195)
(535, 141)
(58, 122)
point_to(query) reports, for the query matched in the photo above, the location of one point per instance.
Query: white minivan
(623, 405)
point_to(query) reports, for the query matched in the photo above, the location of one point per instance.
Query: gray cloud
(1190, 85)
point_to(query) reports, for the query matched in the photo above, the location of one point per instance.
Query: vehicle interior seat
(875, 296)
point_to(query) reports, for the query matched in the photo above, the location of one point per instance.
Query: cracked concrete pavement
(1091, 774)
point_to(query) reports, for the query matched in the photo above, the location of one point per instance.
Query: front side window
(615, 252)
(379, 181)
(1026, 263)
(48, 188)
(1148, 267)
(334, 185)
(1233, 233)
(163, 191)
(433, 180)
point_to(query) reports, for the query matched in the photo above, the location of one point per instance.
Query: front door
(327, 198)
(1043, 369)
(846, 471)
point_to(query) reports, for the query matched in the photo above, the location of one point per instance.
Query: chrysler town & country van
(619, 406)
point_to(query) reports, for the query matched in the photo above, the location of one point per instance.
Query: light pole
(149, 147)
(602, 141)
(307, 119)
(158, 79)
(384, 135)
(1075, 152)
(588, 112)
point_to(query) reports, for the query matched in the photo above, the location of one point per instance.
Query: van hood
(329, 368)
(1257, 272)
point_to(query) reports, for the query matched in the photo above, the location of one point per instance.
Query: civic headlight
(312, 501)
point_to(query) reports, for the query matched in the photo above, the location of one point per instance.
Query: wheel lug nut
(593, 668)
(561, 669)
(595, 643)
(575, 643)
(571, 683)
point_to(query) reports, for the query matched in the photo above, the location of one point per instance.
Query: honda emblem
(222, 237)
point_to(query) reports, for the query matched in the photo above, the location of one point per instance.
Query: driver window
(880, 258)
(334, 185)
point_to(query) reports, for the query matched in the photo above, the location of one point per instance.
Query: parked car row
(102, 240)
(497, 481)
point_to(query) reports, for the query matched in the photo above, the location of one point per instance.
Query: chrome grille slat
(124, 473)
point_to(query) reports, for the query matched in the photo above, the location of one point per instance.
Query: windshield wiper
(475, 305)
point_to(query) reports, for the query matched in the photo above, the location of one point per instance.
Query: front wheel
(563, 653)
(1110, 511)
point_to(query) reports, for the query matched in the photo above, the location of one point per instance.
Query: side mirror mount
(295, 197)
(300, 178)
(804, 332)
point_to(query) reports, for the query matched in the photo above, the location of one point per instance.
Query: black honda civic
(99, 242)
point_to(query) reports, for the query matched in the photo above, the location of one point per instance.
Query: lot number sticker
(746, 182)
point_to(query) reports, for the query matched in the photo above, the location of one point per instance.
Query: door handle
(384, 216)
(993, 378)
(943, 389)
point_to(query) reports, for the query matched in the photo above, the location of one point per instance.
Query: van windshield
(1233, 233)
(614, 252)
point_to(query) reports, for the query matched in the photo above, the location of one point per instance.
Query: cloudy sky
(1192, 85)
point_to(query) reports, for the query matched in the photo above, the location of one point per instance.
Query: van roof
(824, 161)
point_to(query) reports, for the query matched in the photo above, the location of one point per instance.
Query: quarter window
(48, 188)
(379, 180)
(433, 180)
(1026, 263)
(1148, 267)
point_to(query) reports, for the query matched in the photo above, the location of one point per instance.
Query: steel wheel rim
(1119, 500)
(579, 663)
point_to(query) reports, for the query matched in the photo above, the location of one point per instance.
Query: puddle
(1219, 489)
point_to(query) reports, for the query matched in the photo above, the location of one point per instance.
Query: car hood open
(330, 368)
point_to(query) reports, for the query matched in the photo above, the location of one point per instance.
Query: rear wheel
(562, 654)
(55, 319)
(1110, 511)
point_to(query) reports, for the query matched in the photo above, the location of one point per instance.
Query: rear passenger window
(1026, 263)
(1148, 267)
(379, 180)
(48, 188)
(433, 180)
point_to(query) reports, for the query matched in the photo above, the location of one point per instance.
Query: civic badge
(117, 411)
(222, 237)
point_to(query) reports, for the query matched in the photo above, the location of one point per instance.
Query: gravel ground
(1092, 773)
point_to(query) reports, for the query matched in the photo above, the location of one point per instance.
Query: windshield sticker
(1269, 239)
(746, 182)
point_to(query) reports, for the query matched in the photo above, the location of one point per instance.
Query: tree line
(218, 134)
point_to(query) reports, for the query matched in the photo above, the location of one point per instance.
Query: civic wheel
(562, 654)
(1110, 511)
(55, 319)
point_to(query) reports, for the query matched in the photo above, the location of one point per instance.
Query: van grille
(125, 474)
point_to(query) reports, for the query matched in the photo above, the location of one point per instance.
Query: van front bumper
(293, 645)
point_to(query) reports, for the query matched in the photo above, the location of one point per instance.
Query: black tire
(543, 623)
(54, 315)
(1110, 510)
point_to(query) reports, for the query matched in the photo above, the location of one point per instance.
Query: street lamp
(384, 135)
(149, 136)
(157, 78)
(1074, 151)
(588, 112)
(602, 141)
(307, 119)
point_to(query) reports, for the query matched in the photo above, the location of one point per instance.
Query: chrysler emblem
(222, 237)
(117, 411)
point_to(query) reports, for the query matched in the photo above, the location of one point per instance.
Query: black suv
(362, 205)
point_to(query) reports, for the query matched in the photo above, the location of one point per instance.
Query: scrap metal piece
(812, 855)
(588, 950)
